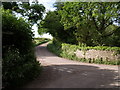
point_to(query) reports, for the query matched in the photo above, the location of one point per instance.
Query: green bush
(67, 51)
(16, 32)
(53, 48)
(18, 69)
(18, 59)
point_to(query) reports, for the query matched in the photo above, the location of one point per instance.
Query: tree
(113, 40)
(10, 5)
(51, 24)
(90, 20)
(58, 5)
(33, 12)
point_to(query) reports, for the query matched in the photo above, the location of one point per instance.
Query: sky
(49, 6)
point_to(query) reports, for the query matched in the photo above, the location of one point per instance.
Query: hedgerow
(67, 51)
(19, 63)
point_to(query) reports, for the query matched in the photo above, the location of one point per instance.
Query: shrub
(18, 59)
(17, 69)
(67, 51)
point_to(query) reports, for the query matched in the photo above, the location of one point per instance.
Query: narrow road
(62, 73)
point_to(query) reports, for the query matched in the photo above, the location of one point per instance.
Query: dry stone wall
(97, 54)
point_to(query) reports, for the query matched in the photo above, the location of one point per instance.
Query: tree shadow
(72, 75)
(75, 76)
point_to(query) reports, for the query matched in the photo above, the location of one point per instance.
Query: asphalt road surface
(62, 73)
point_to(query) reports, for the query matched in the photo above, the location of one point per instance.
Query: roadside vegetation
(73, 25)
(19, 64)
(68, 51)
(39, 41)
(83, 25)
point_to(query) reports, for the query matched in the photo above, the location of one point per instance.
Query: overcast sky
(49, 6)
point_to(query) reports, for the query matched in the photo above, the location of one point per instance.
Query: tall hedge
(19, 62)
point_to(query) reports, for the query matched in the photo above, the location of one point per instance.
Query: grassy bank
(67, 51)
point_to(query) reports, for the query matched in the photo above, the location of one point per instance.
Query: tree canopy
(32, 11)
(90, 23)
(90, 20)
(51, 24)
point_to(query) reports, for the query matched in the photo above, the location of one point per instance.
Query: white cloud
(47, 35)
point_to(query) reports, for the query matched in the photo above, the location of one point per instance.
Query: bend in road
(62, 73)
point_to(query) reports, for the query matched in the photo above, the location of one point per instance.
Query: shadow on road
(60, 73)
(75, 76)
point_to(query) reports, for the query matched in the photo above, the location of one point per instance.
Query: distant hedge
(38, 41)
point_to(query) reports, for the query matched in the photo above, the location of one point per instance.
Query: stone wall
(97, 54)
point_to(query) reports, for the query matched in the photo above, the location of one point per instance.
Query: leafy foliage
(33, 12)
(14, 30)
(58, 5)
(51, 24)
(67, 51)
(10, 5)
(90, 20)
(84, 23)
(19, 62)
(18, 69)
